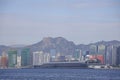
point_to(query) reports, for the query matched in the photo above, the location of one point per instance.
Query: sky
(81, 21)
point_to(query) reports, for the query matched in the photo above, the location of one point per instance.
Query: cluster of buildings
(11, 59)
(108, 55)
(98, 54)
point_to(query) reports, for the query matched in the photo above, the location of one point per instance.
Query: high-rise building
(18, 61)
(52, 52)
(93, 50)
(98, 53)
(118, 56)
(52, 55)
(102, 51)
(77, 55)
(40, 58)
(46, 57)
(111, 55)
(12, 58)
(4, 60)
(25, 57)
(0, 61)
(84, 54)
(114, 56)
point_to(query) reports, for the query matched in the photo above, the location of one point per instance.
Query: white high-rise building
(18, 61)
(40, 58)
(0, 61)
(46, 57)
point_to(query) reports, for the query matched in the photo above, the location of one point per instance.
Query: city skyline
(81, 21)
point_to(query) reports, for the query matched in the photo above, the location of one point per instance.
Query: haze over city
(82, 21)
(59, 39)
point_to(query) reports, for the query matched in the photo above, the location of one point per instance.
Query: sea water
(59, 74)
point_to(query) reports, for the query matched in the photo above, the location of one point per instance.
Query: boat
(62, 65)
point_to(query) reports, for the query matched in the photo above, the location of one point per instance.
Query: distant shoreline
(65, 68)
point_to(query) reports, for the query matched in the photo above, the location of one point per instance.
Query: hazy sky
(81, 21)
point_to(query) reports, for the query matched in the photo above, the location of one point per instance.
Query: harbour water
(59, 74)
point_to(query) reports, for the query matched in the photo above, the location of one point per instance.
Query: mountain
(59, 44)
(106, 43)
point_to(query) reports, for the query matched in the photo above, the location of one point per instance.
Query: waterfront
(59, 74)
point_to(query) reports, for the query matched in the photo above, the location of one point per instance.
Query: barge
(62, 65)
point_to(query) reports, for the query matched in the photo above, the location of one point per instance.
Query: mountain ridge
(59, 44)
